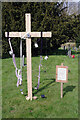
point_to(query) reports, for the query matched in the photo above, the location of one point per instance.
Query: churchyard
(15, 104)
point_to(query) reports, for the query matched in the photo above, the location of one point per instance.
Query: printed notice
(61, 74)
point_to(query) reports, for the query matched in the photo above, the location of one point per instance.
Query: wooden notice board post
(61, 76)
(27, 35)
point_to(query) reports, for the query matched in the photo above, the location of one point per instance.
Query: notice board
(61, 73)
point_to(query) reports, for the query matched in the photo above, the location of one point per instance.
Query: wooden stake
(61, 86)
(61, 90)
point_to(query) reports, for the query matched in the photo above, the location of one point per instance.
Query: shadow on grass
(49, 79)
(68, 89)
(44, 87)
(40, 89)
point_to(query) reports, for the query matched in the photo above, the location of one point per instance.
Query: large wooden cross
(28, 34)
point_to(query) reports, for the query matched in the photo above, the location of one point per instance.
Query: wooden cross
(28, 34)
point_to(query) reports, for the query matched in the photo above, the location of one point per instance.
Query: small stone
(35, 97)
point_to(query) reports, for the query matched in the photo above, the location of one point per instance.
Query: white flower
(10, 52)
(46, 57)
(36, 45)
(22, 93)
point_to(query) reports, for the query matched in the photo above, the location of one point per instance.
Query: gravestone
(69, 51)
(64, 47)
(76, 49)
(73, 48)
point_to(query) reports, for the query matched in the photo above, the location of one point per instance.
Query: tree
(45, 16)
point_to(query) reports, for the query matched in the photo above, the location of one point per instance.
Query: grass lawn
(14, 104)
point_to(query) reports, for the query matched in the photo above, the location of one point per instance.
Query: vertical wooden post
(61, 90)
(61, 86)
(28, 54)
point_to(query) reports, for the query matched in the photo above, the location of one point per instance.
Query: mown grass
(16, 106)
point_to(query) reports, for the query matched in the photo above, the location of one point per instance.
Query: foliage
(78, 41)
(45, 16)
(78, 33)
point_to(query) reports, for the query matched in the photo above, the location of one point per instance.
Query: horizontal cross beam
(32, 34)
